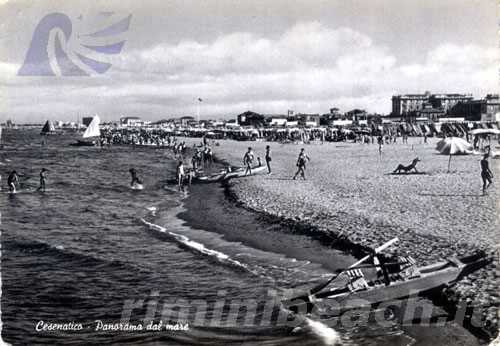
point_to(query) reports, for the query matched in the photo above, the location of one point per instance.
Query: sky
(268, 56)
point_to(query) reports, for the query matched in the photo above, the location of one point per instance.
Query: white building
(131, 121)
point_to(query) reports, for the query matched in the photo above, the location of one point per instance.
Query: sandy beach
(349, 193)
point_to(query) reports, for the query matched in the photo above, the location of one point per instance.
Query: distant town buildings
(250, 118)
(310, 120)
(485, 109)
(130, 121)
(432, 107)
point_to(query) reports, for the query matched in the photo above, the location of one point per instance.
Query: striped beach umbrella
(453, 146)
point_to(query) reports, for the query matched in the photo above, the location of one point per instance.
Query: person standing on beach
(42, 180)
(486, 174)
(301, 164)
(268, 159)
(247, 161)
(380, 141)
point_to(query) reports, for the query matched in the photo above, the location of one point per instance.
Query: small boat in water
(48, 128)
(213, 178)
(350, 289)
(92, 131)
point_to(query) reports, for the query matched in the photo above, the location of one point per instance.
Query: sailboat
(48, 128)
(92, 131)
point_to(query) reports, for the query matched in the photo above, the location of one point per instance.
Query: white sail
(93, 128)
(48, 128)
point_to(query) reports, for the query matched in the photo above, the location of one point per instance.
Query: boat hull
(432, 277)
(83, 144)
(209, 179)
(241, 172)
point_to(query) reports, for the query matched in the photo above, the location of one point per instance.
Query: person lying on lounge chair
(407, 169)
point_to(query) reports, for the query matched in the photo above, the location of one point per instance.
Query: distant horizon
(221, 58)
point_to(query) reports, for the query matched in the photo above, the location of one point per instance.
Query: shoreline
(192, 216)
(341, 242)
(357, 243)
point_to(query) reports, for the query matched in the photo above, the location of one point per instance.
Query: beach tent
(453, 146)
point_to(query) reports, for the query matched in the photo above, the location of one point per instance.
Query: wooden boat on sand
(351, 289)
(240, 172)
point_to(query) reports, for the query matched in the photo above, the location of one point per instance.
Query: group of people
(13, 180)
(185, 175)
(249, 156)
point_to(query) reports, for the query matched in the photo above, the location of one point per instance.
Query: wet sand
(349, 193)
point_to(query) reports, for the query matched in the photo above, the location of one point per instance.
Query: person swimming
(486, 174)
(12, 181)
(135, 179)
(42, 180)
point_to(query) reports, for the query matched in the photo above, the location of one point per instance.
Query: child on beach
(486, 174)
(301, 164)
(380, 141)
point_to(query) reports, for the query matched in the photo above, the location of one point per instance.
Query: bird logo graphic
(49, 53)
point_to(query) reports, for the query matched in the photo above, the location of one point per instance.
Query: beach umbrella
(476, 132)
(453, 146)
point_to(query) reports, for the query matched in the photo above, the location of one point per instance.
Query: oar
(381, 248)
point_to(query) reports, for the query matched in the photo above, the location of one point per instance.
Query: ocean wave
(328, 335)
(198, 247)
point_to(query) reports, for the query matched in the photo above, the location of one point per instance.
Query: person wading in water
(301, 164)
(42, 180)
(135, 179)
(180, 175)
(12, 181)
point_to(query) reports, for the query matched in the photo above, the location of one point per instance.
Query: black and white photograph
(249, 172)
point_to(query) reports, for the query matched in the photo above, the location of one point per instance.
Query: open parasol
(453, 146)
(485, 132)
